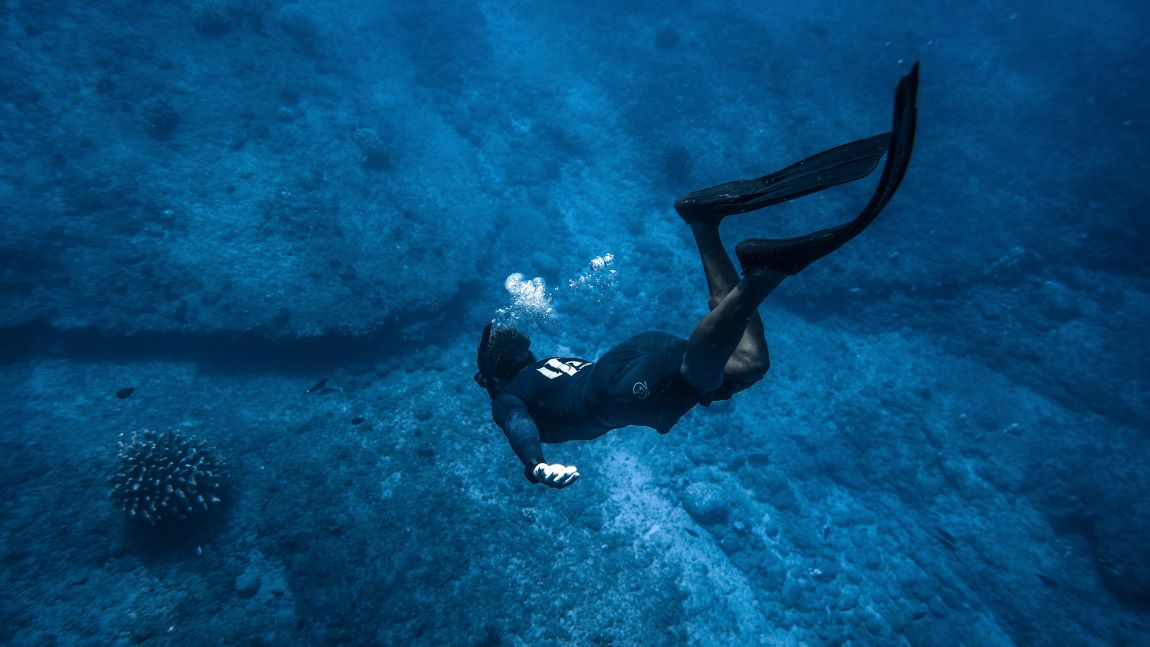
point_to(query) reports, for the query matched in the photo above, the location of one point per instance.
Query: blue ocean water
(278, 228)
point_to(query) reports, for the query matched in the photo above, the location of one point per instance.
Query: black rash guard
(559, 399)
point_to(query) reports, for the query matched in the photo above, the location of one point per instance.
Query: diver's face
(479, 378)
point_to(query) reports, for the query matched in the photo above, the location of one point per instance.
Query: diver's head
(503, 352)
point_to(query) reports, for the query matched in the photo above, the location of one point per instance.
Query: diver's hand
(555, 475)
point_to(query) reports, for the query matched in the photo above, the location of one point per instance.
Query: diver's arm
(510, 413)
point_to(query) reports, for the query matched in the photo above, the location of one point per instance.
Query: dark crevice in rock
(221, 351)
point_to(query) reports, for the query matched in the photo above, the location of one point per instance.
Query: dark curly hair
(503, 352)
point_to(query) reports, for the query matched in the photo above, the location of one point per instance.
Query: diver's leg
(718, 335)
(751, 358)
(722, 277)
(767, 262)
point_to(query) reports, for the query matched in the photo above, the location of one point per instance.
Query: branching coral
(165, 478)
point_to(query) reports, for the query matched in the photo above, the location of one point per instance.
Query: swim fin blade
(792, 255)
(832, 167)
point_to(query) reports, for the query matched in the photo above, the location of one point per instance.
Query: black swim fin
(838, 165)
(792, 255)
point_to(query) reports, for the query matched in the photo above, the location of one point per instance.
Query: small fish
(318, 385)
(357, 420)
(946, 539)
(1047, 580)
(125, 392)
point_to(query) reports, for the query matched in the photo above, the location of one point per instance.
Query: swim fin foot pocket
(792, 255)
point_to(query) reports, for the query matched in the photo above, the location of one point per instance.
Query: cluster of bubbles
(529, 300)
(532, 301)
(600, 276)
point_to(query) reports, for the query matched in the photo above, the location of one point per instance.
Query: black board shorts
(638, 382)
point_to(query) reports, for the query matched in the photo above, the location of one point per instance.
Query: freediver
(653, 378)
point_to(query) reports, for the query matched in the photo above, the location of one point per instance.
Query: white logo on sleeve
(640, 390)
(556, 367)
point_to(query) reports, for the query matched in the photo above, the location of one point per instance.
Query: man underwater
(653, 378)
